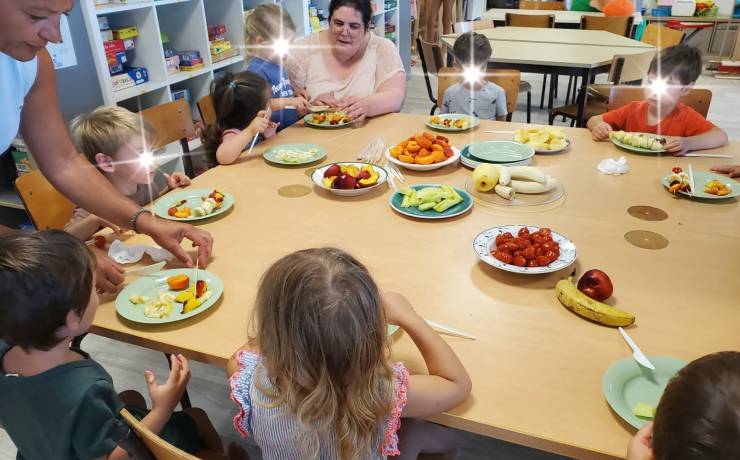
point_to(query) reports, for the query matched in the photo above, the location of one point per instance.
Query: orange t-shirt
(683, 121)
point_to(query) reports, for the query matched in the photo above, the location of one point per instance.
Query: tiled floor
(208, 387)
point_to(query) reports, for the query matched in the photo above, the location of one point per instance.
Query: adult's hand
(354, 107)
(732, 170)
(169, 235)
(326, 99)
(109, 275)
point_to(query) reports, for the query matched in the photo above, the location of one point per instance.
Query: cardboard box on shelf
(130, 78)
(214, 32)
(24, 162)
(219, 46)
(190, 68)
(103, 23)
(190, 62)
(188, 55)
(126, 32)
(118, 46)
(181, 94)
(116, 61)
(225, 55)
(106, 35)
(173, 64)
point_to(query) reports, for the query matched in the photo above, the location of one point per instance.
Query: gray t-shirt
(487, 103)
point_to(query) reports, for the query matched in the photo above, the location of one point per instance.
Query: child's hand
(259, 124)
(176, 179)
(639, 446)
(398, 309)
(271, 129)
(732, 170)
(601, 131)
(300, 103)
(166, 397)
(678, 146)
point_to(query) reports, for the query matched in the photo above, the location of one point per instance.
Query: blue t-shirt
(16, 80)
(280, 86)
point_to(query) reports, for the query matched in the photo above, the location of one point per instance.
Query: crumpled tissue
(612, 166)
(129, 254)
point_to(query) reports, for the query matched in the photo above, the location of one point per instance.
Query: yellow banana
(578, 302)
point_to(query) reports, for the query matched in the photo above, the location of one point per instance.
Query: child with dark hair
(698, 417)
(475, 95)
(672, 74)
(242, 103)
(55, 401)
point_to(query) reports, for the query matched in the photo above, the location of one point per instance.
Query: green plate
(397, 198)
(626, 383)
(155, 283)
(500, 151)
(193, 197)
(473, 121)
(308, 121)
(701, 178)
(271, 154)
(632, 148)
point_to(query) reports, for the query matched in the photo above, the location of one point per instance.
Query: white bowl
(318, 178)
(455, 156)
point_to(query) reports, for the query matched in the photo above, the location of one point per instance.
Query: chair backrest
(630, 67)
(207, 110)
(541, 5)
(620, 25)
(171, 121)
(661, 37)
(47, 208)
(430, 55)
(543, 21)
(471, 26)
(505, 78)
(159, 448)
(697, 99)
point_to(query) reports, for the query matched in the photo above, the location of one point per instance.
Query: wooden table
(570, 57)
(715, 21)
(536, 367)
(561, 17)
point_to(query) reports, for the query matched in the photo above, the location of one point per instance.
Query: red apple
(364, 174)
(596, 284)
(344, 181)
(333, 170)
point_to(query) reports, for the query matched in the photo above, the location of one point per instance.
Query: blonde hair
(321, 329)
(106, 129)
(265, 21)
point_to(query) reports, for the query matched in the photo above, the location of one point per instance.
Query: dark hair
(698, 416)
(363, 6)
(43, 276)
(237, 99)
(681, 61)
(472, 48)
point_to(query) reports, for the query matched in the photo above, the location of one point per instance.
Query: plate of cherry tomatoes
(524, 249)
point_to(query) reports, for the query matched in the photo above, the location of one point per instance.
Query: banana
(527, 173)
(505, 192)
(504, 176)
(485, 177)
(578, 302)
(534, 187)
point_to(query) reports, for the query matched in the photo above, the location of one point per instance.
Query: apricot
(444, 144)
(448, 152)
(437, 147)
(403, 144)
(427, 160)
(412, 148)
(406, 158)
(178, 282)
(438, 156)
(424, 152)
(428, 135)
(423, 142)
(395, 151)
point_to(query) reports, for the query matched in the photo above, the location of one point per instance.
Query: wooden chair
(47, 208)
(505, 78)
(471, 26)
(661, 37)
(628, 68)
(541, 5)
(207, 110)
(542, 21)
(432, 59)
(172, 122)
(697, 99)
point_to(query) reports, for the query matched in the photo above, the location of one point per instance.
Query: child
(672, 74)
(478, 97)
(114, 140)
(315, 381)
(731, 170)
(698, 416)
(269, 31)
(55, 401)
(242, 110)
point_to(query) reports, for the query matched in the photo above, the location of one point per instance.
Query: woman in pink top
(348, 67)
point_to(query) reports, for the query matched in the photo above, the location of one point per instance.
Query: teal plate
(473, 121)
(634, 149)
(470, 161)
(152, 285)
(397, 198)
(193, 197)
(701, 178)
(271, 154)
(309, 122)
(500, 151)
(626, 383)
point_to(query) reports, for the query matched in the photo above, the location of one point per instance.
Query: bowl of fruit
(349, 178)
(638, 142)
(423, 152)
(328, 119)
(452, 122)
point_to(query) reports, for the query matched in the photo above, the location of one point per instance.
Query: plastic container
(661, 11)
(24, 162)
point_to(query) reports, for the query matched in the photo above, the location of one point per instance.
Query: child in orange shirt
(676, 69)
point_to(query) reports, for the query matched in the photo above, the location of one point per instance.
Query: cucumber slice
(427, 206)
(443, 206)
(644, 410)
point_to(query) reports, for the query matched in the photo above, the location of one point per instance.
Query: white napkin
(129, 254)
(612, 166)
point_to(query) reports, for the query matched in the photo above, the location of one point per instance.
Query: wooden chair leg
(567, 93)
(185, 401)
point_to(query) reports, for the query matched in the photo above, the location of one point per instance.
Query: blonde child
(672, 74)
(269, 32)
(242, 103)
(314, 381)
(55, 401)
(698, 417)
(114, 140)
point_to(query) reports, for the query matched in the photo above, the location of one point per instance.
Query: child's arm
(599, 128)
(175, 180)
(233, 365)
(731, 170)
(298, 103)
(87, 226)
(233, 144)
(713, 138)
(448, 383)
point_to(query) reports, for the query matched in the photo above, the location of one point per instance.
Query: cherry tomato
(532, 263)
(542, 261)
(506, 258)
(522, 242)
(519, 261)
(500, 239)
(538, 251)
(523, 231)
(99, 241)
(509, 247)
(545, 231)
(517, 253)
(537, 238)
(549, 245)
(529, 253)
(171, 211)
(551, 257)
(200, 288)
(677, 170)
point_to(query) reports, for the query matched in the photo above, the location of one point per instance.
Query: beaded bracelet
(132, 222)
